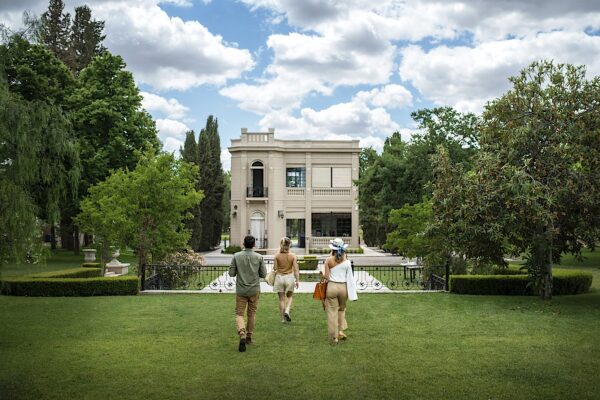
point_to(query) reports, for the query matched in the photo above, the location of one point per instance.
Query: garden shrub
(91, 265)
(309, 263)
(565, 282)
(32, 286)
(232, 249)
(83, 272)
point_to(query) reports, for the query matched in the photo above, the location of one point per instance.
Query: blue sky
(331, 69)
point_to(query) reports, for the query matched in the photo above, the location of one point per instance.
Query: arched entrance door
(257, 228)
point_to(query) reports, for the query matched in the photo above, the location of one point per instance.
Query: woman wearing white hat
(337, 271)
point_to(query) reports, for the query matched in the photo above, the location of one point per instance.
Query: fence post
(143, 277)
(447, 283)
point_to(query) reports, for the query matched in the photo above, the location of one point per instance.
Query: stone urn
(115, 267)
(90, 255)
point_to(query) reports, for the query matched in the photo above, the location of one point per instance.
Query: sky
(327, 69)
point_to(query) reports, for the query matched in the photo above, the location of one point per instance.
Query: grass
(60, 259)
(410, 346)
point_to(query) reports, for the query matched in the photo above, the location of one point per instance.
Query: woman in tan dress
(287, 277)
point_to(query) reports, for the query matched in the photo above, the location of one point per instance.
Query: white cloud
(466, 77)
(390, 96)
(171, 128)
(180, 3)
(162, 51)
(226, 159)
(172, 108)
(172, 145)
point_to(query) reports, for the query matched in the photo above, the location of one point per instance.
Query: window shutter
(342, 177)
(321, 177)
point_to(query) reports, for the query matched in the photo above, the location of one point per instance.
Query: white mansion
(302, 189)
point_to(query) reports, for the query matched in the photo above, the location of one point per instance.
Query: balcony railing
(257, 191)
(295, 192)
(332, 192)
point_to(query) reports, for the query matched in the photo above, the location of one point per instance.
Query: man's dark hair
(249, 241)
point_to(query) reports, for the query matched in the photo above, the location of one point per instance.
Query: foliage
(535, 184)
(190, 154)
(409, 225)
(39, 161)
(366, 158)
(143, 209)
(211, 184)
(403, 173)
(74, 43)
(187, 257)
(58, 287)
(565, 283)
(112, 127)
(232, 249)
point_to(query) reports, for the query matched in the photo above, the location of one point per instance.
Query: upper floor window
(295, 177)
(331, 177)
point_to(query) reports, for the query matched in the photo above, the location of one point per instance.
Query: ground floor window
(332, 224)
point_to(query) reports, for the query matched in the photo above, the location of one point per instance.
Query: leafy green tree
(410, 224)
(111, 126)
(190, 154)
(143, 208)
(211, 184)
(403, 173)
(35, 73)
(39, 159)
(535, 184)
(366, 158)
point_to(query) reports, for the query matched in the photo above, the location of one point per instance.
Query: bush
(510, 270)
(31, 286)
(232, 249)
(92, 265)
(565, 282)
(83, 272)
(309, 263)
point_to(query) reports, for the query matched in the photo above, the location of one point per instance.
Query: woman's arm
(296, 270)
(326, 269)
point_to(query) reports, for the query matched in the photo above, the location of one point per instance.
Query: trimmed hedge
(31, 286)
(232, 249)
(564, 282)
(92, 265)
(308, 263)
(70, 273)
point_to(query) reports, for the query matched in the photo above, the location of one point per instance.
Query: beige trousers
(335, 305)
(243, 303)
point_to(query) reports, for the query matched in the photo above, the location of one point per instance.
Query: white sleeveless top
(339, 273)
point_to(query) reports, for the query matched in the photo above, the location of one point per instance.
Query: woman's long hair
(339, 254)
(284, 244)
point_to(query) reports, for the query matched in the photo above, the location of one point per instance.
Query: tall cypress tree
(211, 183)
(190, 153)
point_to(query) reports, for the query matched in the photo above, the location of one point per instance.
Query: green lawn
(400, 346)
(409, 346)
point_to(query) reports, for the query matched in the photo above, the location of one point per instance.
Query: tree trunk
(66, 236)
(76, 241)
(53, 237)
(547, 276)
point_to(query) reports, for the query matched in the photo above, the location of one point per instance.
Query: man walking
(248, 267)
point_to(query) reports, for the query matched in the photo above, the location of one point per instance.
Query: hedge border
(565, 282)
(56, 287)
(91, 265)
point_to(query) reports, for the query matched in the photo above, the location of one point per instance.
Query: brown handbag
(320, 292)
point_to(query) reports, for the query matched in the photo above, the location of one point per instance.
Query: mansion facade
(302, 189)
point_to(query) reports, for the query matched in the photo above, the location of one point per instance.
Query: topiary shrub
(564, 282)
(52, 287)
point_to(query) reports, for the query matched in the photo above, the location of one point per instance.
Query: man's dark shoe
(248, 340)
(242, 347)
(287, 317)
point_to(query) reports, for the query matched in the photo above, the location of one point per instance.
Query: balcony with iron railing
(257, 192)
